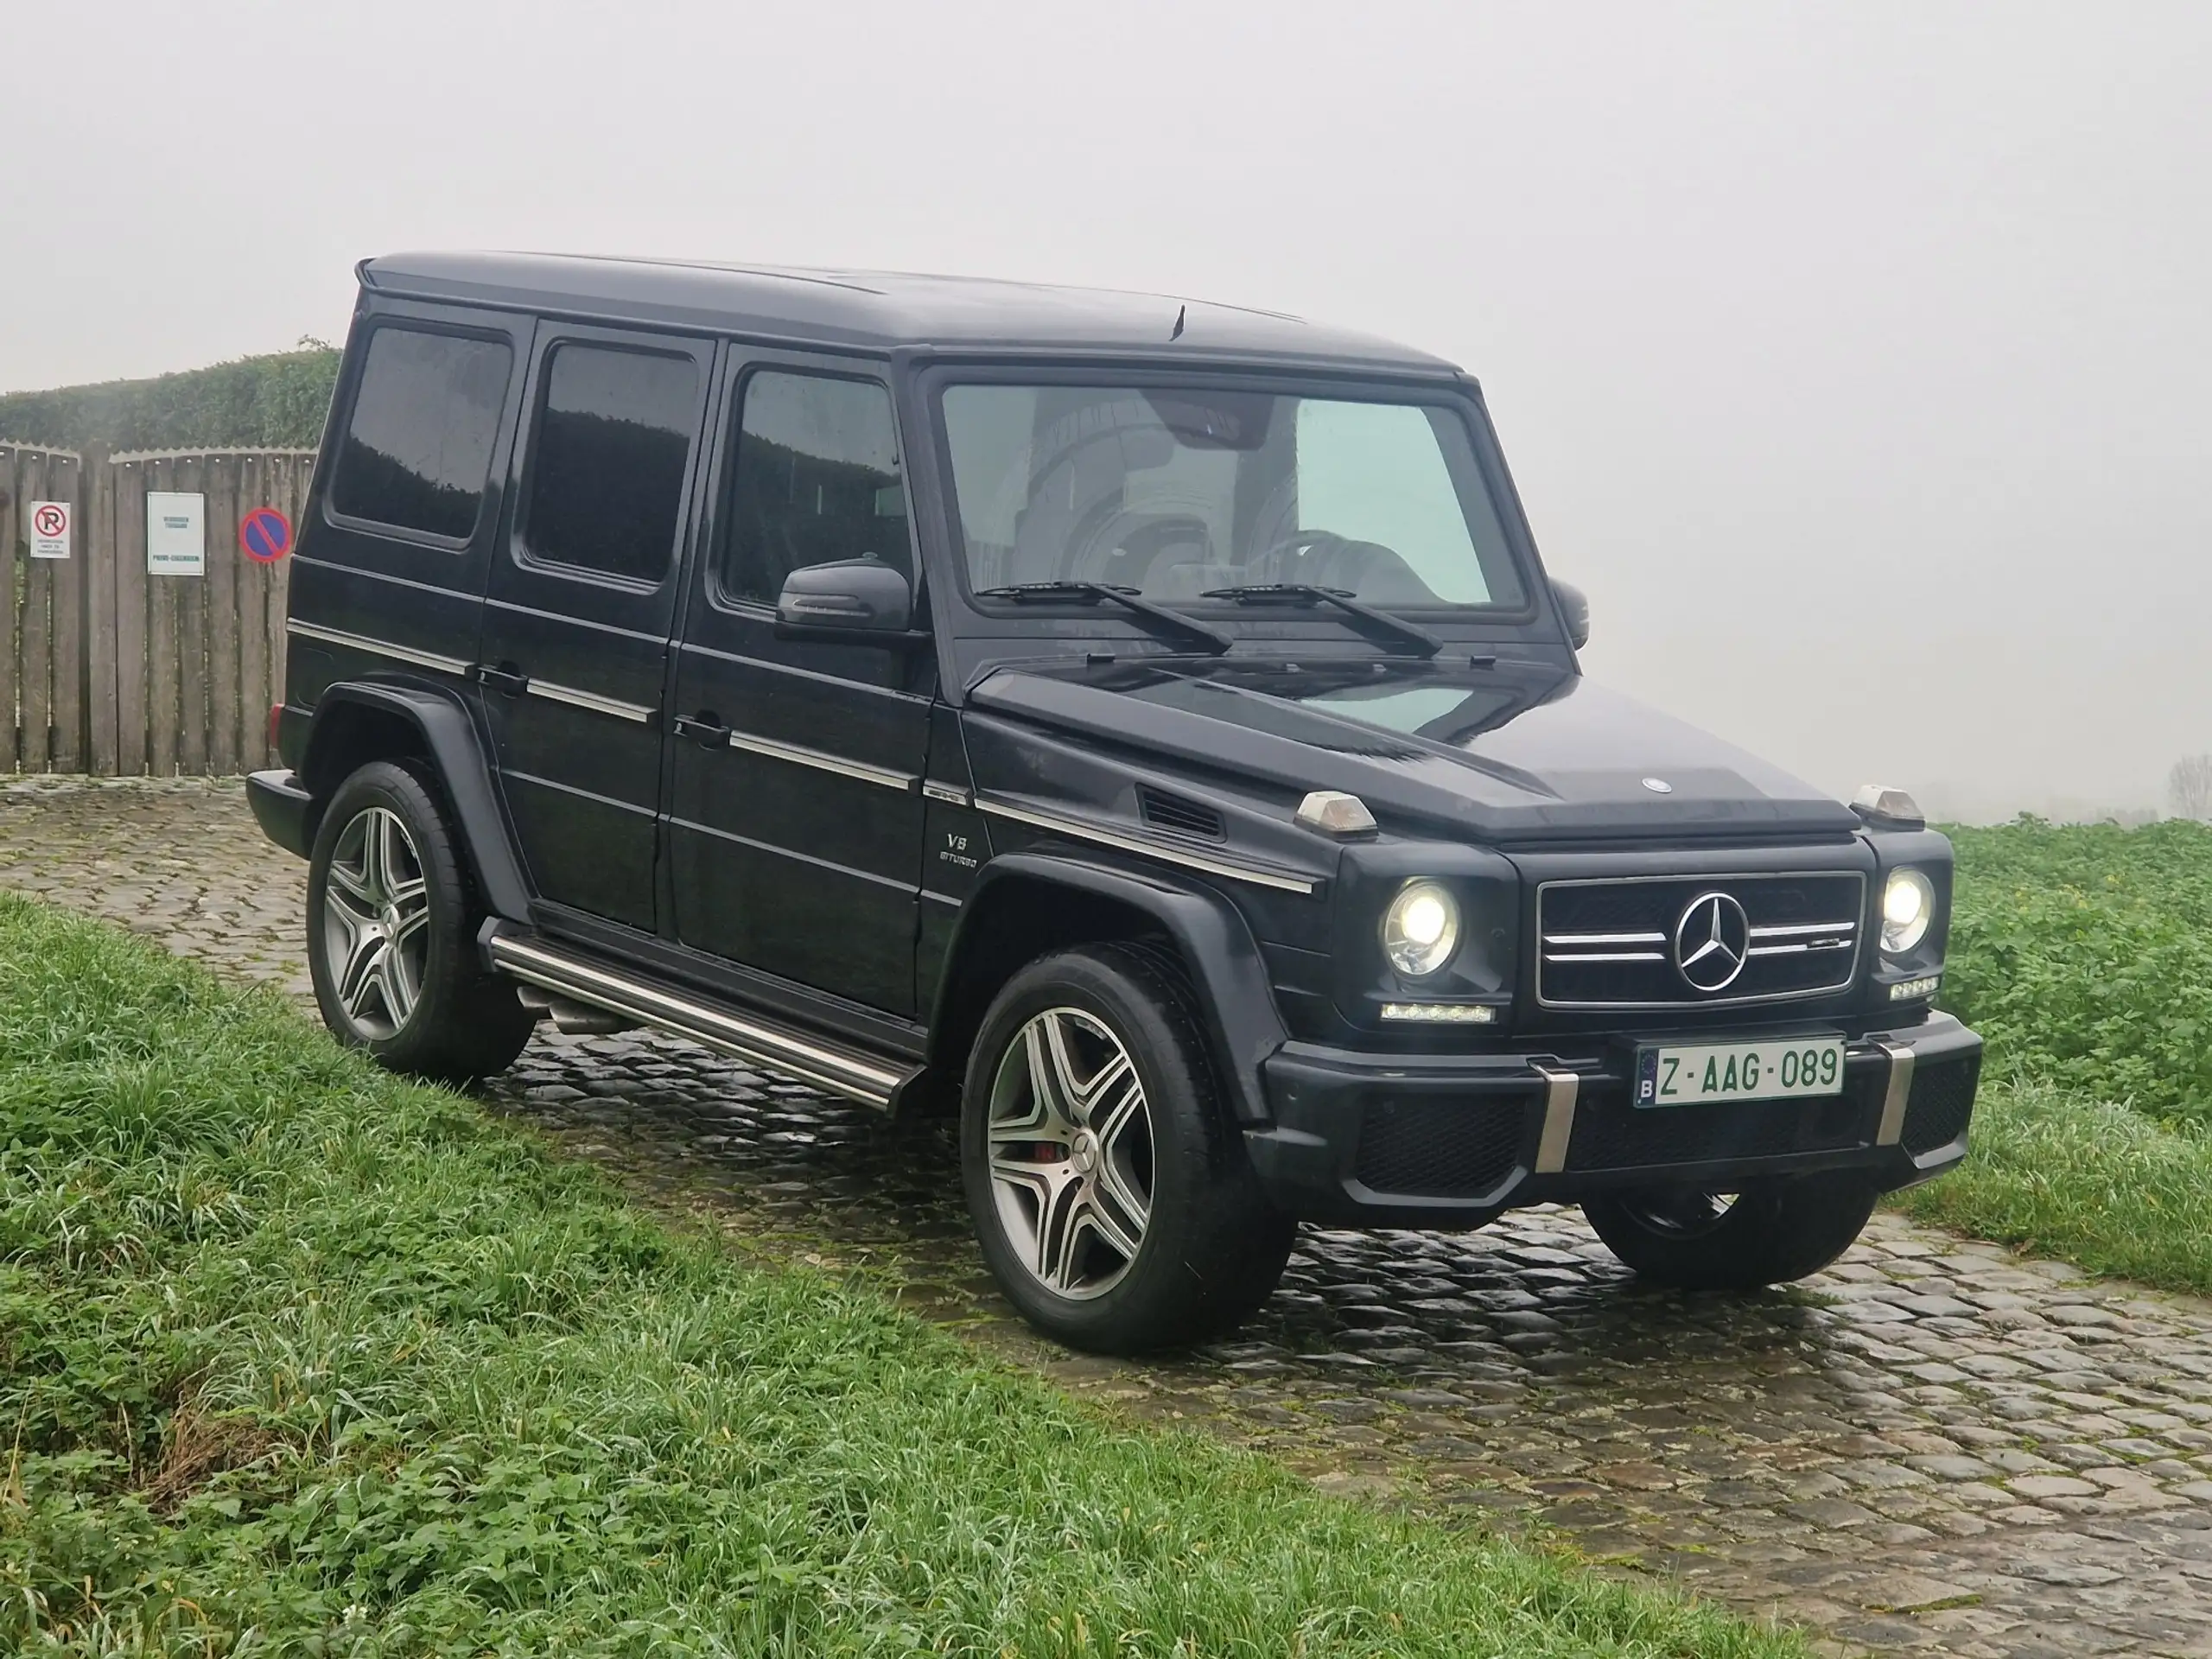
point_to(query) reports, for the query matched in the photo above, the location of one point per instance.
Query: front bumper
(1397, 1140)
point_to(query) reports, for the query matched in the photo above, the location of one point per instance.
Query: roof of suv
(877, 310)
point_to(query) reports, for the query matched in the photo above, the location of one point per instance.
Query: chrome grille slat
(1608, 942)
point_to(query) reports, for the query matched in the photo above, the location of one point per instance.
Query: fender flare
(449, 738)
(1237, 1003)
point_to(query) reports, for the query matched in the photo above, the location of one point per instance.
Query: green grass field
(2083, 955)
(296, 1357)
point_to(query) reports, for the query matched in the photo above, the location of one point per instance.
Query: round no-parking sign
(49, 523)
(265, 535)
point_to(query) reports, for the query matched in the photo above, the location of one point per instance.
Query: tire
(1774, 1232)
(1130, 1219)
(386, 860)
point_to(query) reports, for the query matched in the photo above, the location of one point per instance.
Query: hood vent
(1179, 817)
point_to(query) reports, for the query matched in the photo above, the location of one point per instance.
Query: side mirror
(863, 595)
(1575, 608)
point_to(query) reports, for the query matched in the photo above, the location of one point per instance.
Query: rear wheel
(392, 935)
(1113, 1201)
(1768, 1233)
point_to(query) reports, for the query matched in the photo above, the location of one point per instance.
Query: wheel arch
(1028, 904)
(357, 721)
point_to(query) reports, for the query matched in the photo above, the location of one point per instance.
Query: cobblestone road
(1932, 1445)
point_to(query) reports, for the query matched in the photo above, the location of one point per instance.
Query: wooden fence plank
(37, 671)
(130, 756)
(96, 501)
(11, 521)
(64, 479)
(291, 483)
(191, 641)
(224, 507)
(253, 623)
(160, 647)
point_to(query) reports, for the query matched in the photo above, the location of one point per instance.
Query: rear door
(795, 808)
(581, 604)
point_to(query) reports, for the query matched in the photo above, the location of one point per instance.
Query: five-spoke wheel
(1071, 1153)
(391, 934)
(376, 911)
(1110, 1193)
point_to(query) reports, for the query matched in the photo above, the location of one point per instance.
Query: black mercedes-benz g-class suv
(1142, 726)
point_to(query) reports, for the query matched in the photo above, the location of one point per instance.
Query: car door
(581, 604)
(795, 812)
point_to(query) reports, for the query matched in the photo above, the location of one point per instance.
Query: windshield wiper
(1163, 620)
(1420, 640)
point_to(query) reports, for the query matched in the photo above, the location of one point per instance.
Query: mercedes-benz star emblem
(1711, 942)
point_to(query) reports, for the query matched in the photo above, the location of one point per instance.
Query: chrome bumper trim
(1890, 1130)
(1561, 1091)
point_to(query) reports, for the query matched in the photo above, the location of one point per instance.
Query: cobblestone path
(1933, 1444)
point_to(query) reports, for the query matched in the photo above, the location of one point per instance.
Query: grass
(296, 1357)
(2058, 1173)
(2082, 954)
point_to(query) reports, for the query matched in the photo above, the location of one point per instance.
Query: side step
(827, 1065)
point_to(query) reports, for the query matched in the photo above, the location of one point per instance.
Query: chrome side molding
(1259, 875)
(828, 1065)
(381, 647)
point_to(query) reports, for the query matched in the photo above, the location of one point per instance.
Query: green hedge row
(276, 401)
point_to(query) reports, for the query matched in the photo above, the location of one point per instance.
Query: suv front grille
(1613, 943)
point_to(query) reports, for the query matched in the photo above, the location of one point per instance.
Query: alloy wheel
(1071, 1153)
(376, 922)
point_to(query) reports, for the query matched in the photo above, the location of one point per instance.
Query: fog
(1852, 358)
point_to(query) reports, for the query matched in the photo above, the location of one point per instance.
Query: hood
(1517, 751)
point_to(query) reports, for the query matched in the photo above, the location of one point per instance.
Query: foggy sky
(1853, 358)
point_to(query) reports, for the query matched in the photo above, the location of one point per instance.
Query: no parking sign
(49, 527)
(264, 535)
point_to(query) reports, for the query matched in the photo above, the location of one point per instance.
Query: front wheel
(1768, 1233)
(1112, 1198)
(392, 935)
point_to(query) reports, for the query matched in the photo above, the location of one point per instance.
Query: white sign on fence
(49, 528)
(176, 533)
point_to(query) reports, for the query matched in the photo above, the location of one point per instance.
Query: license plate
(1691, 1074)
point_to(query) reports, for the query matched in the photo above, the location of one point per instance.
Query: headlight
(1908, 906)
(1420, 931)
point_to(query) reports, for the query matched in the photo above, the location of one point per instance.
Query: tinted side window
(418, 444)
(606, 476)
(817, 479)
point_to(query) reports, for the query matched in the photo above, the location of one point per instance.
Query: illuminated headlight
(1420, 931)
(1908, 906)
(1441, 1014)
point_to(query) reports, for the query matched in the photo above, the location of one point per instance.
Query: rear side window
(817, 481)
(418, 444)
(615, 432)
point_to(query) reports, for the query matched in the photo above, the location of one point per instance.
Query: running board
(828, 1065)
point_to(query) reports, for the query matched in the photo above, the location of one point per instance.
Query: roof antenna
(1176, 333)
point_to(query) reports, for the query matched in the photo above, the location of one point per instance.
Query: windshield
(1175, 492)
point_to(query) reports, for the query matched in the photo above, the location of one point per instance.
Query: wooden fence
(109, 670)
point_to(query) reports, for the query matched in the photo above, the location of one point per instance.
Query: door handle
(710, 732)
(504, 678)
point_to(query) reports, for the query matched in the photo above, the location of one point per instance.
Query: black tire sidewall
(449, 970)
(1777, 1230)
(1186, 1276)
